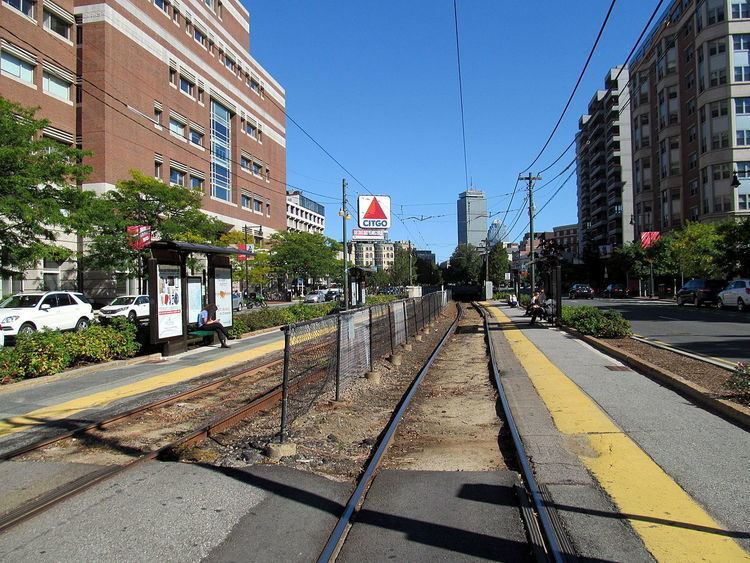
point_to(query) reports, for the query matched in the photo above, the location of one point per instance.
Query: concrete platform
(439, 516)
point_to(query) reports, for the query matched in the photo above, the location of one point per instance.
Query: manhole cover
(618, 368)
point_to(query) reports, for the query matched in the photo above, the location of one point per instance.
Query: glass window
(162, 5)
(199, 36)
(245, 162)
(187, 86)
(13, 66)
(742, 106)
(258, 205)
(743, 169)
(245, 201)
(24, 6)
(56, 24)
(157, 169)
(176, 177)
(257, 169)
(55, 86)
(740, 9)
(196, 183)
(196, 137)
(221, 151)
(743, 138)
(176, 127)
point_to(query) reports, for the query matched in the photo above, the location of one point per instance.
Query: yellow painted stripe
(59, 411)
(671, 524)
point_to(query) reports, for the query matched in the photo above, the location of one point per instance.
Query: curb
(736, 413)
(25, 383)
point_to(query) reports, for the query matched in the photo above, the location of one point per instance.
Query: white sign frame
(363, 205)
(223, 295)
(195, 298)
(169, 301)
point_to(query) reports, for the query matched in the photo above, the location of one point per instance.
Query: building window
(252, 130)
(162, 5)
(255, 85)
(229, 63)
(245, 201)
(743, 138)
(196, 137)
(176, 177)
(55, 86)
(196, 183)
(743, 169)
(741, 58)
(268, 209)
(257, 169)
(199, 36)
(17, 68)
(56, 25)
(221, 151)
(258, 205)
(200, 95)
(24, 6)
(157, 169)
(176, 127)
(740, 9)
(693, 185)
(173, 76)
(157, 115)
(716, 11)
(187, 86)
(245, 163)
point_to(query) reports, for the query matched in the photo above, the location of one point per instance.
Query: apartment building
(304, 214)
(472, 218)
(566, 237)
(426, 255)
(691, 116)
(167, 87)
(604, 167)
(380, 255)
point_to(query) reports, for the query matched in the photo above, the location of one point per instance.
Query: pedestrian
(207, 321)
(513, 300)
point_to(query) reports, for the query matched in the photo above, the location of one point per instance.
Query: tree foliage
(428, 273)
(38, 185)
(498, 265)
(692, 249)
(402, 273)
(466, 264)
(733, 256)
(305, 255)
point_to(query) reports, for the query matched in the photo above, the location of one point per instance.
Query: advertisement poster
(223, 295)
(374, 211)
(195, 298)
(169, 304)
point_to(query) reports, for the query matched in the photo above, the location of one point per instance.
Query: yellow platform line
(59, 411)
(672, 525)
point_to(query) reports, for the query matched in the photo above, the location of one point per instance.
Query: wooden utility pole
(530, 182)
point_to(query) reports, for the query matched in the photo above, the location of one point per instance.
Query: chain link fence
(322, 356)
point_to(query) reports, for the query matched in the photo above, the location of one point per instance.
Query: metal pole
(247, 276)
(390, 326)
(285, 385)
(411, 275)
(343, 238)
(406, 323)
(652, 279)
(338, 357)
(370, 311)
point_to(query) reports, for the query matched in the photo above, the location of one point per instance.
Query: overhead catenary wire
(546, 203)
(461, 93)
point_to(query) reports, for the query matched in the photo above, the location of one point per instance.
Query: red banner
(139, 236)
(246, 247)
(649, 237)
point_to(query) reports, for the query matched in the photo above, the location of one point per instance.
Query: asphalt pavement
(702, 330)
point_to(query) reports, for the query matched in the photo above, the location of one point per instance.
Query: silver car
(315, 297)
(736, 294)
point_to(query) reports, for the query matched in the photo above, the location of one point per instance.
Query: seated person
(207, 321)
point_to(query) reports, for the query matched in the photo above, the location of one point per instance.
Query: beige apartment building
(167, 87)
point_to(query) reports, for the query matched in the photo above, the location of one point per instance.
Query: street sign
(139, 236)
(368, 234)
(374, 211)
(247, 247)
(648, 238)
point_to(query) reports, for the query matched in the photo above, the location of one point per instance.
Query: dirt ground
(452, 424)
(702, 373)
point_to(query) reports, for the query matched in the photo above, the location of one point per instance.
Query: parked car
(700, 291)
(25, 313)
(333, 294)
(581, 291)
(237, 302)
(736, 294)
(615, 290)
(318, 296)
(133, 307)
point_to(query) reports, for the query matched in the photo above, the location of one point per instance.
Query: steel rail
(553, 544)
(339, 531)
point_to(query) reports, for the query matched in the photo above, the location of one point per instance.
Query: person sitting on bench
(207, 321)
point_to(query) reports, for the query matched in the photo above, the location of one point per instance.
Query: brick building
(166, 87)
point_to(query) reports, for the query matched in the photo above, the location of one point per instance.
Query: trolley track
(542, 530)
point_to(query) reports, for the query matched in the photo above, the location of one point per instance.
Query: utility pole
(411, 278)
(530, 180)
(247, 273)
(344, 217)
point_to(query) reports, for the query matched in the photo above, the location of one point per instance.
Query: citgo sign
(374, 211)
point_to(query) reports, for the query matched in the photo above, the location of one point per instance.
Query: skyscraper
(472, 218)
(497, 232)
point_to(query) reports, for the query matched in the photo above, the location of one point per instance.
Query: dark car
(700, 291)
(615, 290)
(581, 291)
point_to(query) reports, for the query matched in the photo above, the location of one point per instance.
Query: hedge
(277, 316)
(592, 321)
(50, 351)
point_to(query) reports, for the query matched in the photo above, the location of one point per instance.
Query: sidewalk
(31, 412)
(669, 469)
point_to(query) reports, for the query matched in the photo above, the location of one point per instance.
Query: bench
(206, 335)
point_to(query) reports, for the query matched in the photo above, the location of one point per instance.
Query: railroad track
(547, 541)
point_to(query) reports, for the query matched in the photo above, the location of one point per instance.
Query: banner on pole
(139, 236)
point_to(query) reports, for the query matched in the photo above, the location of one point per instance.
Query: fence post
(370, 330)
(285, 385)
(406, 322)
(390, 326)
(338, 356)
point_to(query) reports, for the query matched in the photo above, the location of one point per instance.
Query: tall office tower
(472, 218)
(497, 232)
(603, 157)
(691, 116)
(165, 87)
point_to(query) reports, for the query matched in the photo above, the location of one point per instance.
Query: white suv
(133, 307)
(736, 294)
(25, 313)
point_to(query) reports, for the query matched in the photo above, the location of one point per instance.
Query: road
(708, 331)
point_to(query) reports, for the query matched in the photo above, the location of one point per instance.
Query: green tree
(38, 179)
(466, 264)
(498, 265)
(427, 272)
(692, 249)
(172, 212)
(402, 273)
(630, 259)
(733, 257)
(378, 279)
(305, 255)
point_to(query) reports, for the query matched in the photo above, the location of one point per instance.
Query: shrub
(378, 299)
(524, 300)
(277, 316)
(99, 343)
(41, 353)
(596, 322)
(739, 381)
(501, 296)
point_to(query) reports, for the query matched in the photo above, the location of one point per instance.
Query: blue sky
(376, 84)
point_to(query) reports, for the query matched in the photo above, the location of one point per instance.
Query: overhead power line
(461, 94)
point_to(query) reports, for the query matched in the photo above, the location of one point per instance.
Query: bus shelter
(177, 298)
